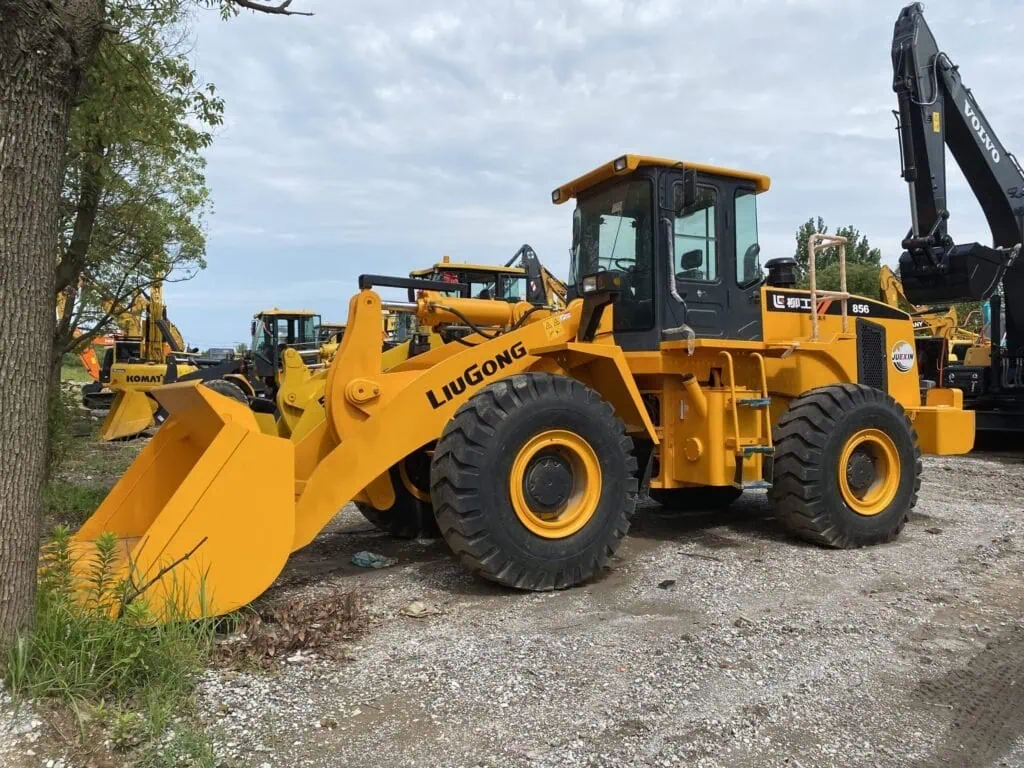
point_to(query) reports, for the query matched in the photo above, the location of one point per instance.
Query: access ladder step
(764, 450)
(757, 485)
(756, 402)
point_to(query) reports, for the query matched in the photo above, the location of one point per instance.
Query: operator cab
(275, 330)
(485, 281)
(681, 242)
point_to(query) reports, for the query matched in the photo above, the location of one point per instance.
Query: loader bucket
(205, 515)
(130, 414)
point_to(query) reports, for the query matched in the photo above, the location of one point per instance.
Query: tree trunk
(72, 261)
(44, 48)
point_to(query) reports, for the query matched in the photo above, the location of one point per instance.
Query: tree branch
(282, 8)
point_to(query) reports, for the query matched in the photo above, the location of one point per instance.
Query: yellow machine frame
(219, 495)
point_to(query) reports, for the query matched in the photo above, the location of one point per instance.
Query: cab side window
(748, 252)
(696, 242)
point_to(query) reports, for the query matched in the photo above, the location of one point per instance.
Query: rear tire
(534, 482)
(412, 514)
(696, 499)
(847, 467)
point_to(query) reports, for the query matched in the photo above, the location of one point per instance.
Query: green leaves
(136, 137)
(858, 250)
(863, 262)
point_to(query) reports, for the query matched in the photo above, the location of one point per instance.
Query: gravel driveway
(714, 641)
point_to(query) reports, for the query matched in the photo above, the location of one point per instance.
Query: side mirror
(685, 193)
(252, 328)
(692, 260)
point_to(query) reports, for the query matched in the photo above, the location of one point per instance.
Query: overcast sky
(377, 136)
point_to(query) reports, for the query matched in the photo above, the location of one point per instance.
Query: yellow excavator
(87, 356)
(931, 322)
(677, 366)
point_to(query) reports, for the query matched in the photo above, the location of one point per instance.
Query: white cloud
(376, 136)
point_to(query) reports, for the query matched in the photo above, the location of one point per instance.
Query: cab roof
(626, 164)
(275, 312)
(447, 265)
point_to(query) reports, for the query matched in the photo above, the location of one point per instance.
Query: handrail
(815, 243)
(764, 393)
(732, 401)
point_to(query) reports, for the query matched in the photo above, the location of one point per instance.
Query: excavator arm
(542, 286)
(936, 111)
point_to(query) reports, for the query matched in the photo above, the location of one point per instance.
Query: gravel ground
(713, 641)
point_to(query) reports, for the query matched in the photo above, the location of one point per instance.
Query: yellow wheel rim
(410, 486)
(555, 484)
(869, 472)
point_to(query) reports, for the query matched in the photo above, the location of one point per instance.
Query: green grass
(128, 675)
(74, 373)
(71, 369)
(70, 504)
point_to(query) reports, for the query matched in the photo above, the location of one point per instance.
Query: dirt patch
(713, 640)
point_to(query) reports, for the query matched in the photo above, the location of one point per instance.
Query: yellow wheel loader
(676, 365)
(523, 277)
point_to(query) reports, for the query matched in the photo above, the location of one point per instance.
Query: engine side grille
(872, 360)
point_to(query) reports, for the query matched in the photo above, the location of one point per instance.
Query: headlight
(620, 164)
(589, 283)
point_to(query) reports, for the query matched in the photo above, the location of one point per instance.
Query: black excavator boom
(936, 111)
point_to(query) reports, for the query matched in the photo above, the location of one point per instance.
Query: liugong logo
(475, 374)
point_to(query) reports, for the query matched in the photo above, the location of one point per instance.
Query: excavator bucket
(204, 517)
(130, 414)
(967, 272)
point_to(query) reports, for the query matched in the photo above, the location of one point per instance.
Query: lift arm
(936, 110)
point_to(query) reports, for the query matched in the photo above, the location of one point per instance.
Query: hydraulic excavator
(937, 111)
(93, 394)
(677, 365)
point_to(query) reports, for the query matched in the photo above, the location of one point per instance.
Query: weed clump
(106, 658)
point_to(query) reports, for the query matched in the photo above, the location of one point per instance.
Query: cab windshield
(484, 285)
(614, 231)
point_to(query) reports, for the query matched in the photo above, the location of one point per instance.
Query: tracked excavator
(93, 393)
(676, 366)
(937, 111)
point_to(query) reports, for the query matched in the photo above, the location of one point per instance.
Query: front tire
(534, 482)
(847, 467)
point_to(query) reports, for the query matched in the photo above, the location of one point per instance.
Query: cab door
(717, 270)
(698, 236)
